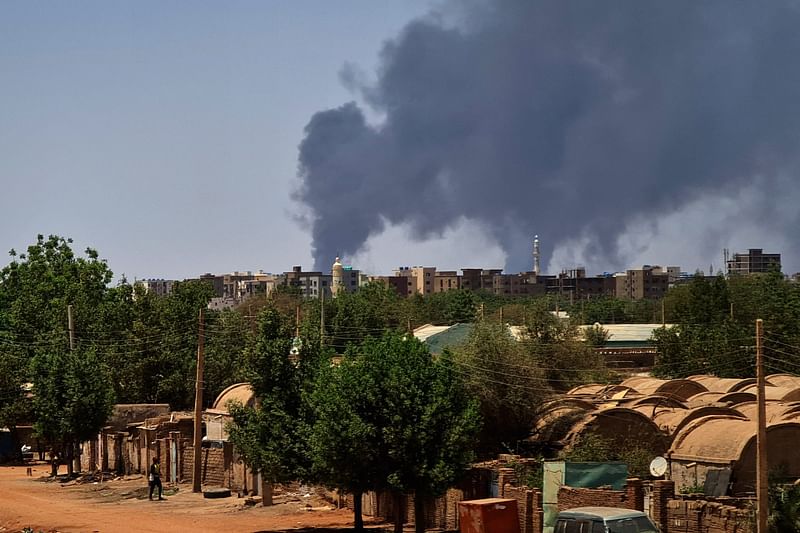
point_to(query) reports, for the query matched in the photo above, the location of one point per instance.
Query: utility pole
(71, 326)
(75, 465)
(663, 315)
(297, 321)
(321, 317)
(198, 404)
(501, 314)
(762, 495)
(731, 310)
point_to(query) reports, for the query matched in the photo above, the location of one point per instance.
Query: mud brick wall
(630, 498)
(215, 469)
(700, 516)
(441, 512)
(529, 507)
(663, 492)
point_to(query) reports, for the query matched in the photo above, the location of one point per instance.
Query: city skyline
(167, 137)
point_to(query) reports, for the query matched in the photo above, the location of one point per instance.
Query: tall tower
(536, 254)
(337, 275)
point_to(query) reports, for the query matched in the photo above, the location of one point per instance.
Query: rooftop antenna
(536, 254)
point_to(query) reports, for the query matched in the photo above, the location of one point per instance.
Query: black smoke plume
(562, 118)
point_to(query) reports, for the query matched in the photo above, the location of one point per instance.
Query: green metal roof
(452, 336)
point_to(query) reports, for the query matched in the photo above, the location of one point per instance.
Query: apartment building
(238, 286)
(575, 284)
(446, 280)
(419, 279)
(753, 262)
(159, 287)
(647, 282)
(312, 284)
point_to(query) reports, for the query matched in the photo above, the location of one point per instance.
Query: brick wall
(216, 465)
(700, 516)
(529, 507)
(630, 498)
(441, 512)
(663, 492)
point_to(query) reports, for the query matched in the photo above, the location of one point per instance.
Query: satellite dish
(658, 466)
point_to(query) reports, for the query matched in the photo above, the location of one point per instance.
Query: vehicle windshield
(639, 524)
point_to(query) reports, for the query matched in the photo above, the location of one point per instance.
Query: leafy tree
(555, 344)
(784, 508)
(152, 349)
(392, 417)
(37, 286)
(596, 335)
(224, 352)
(351, 317)
(15, 406)
(72, 397)
(506, 380)
(272, 436)
(594, 448)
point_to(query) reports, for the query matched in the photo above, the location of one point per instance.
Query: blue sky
(164, 134)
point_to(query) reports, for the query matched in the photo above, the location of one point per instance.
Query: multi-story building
(646, 282)
(575, 284)
(446, 280)
(754, 261)
(311, 284)
(238, 286)
(522, 284)
(159, 287)
(420, 279)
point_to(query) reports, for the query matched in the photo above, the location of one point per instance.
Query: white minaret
(337, 281)
(536, 254)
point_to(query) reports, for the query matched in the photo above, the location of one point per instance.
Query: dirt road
(122, 506)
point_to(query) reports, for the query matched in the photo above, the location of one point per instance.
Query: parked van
(603, 520)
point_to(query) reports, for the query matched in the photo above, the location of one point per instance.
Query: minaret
(337, 275)
(536, 254)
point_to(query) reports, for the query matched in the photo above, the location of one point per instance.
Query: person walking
(155, 477)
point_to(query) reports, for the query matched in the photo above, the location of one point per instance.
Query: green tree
(392, 417)
(507, 381)
(784, 508)
(15, 406)
(37, 287)
(351, 317)
(225, 347)
(272, 436)
(596, 335)
(556, 346)
(72, 397)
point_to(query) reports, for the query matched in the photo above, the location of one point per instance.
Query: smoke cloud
(580, 121)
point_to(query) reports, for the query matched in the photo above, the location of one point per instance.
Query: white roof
(429, 330)
(629, 332)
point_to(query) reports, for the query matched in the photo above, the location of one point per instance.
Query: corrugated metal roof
(628, 332)
(440, 337)
(423, 332)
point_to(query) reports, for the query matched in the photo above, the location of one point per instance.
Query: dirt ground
(122, 506)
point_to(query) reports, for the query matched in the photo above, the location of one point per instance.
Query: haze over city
(264, 135)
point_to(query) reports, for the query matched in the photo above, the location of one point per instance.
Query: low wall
(217, 466)
(630, 498)
(701, 516)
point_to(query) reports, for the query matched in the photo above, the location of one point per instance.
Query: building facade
(755, 261)
(648, 282)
